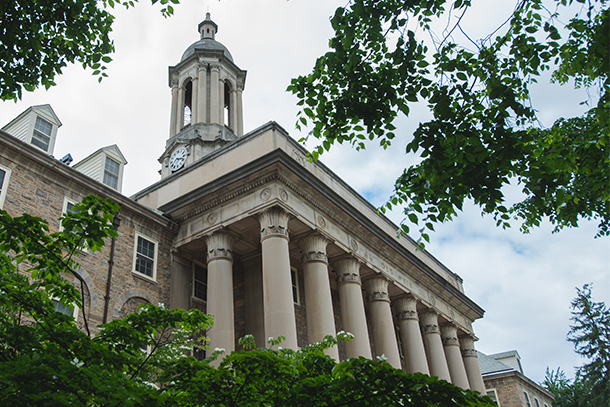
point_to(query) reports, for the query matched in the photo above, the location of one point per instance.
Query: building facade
(507, 385)
(247, 228)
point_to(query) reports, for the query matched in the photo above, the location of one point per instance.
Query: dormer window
(111, 173)
(42, 134)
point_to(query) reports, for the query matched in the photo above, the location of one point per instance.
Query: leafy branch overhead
(39, 38)
(483, 134)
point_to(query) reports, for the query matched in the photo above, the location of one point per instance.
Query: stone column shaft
(174, 109)
(435, 353)
(380, 315)
(320, 315)
(253, 300)
(471, 364)
(453, 354)
(215, 96)
(180, 110)
(220, 291)
(182, 274)
(353, 316)
(202, 95)
(277, 283)
(239, 114)
(194, 100)
(412, 342)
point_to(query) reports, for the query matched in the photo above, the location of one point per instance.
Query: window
(527, 399)
(536, 402)
(145, 258)
(492, 393)
(111, 173)
(5, 174)
(399, 342)
(198, 353)
(294, 276)
(42, 134)
(200, 282)
(70, 310)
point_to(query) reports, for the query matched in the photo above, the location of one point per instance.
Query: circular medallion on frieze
(321, 222)
(265, 194)
(212, 218)
(354, 245)
(283, 195)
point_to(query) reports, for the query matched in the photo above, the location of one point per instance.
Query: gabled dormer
(37, 126)
(105, 165)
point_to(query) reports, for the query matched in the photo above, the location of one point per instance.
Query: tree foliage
(590, 334)
(484, 134)
(142, 360)
(39, 38)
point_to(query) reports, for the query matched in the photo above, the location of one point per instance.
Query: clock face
(177, 159)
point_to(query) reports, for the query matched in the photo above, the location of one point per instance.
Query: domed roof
(206, 44)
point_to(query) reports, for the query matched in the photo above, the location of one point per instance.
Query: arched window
(227, 107)
(188, 102)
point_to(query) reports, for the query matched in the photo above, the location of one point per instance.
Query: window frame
(5, 184)
(38, 134)
(135, 257)
(495, 397)
(295, 286)
(74, 311)
(193, 296)
(108, 173)
(527, 399)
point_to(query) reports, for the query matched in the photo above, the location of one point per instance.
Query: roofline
(85, 181)
(20, 115)
(521, 376)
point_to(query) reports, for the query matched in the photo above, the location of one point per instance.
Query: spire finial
(208, 28)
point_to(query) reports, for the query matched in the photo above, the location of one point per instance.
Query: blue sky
(524, 282)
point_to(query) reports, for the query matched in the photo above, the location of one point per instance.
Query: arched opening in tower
(227, 106)
(188, 102)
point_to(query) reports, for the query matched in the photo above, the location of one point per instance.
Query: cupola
(206, 109)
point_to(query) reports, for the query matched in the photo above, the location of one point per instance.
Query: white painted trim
(135, 253)
(193, 281)
(5, 184)
(296, 300)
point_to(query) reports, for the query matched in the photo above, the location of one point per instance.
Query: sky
(525, 283)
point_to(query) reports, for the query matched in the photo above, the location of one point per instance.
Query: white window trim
(4, 186)
(193, 281)
(74, 308)
(296, 300)
(119, 186)
(495, 394)
(135, 254)
(64, 209)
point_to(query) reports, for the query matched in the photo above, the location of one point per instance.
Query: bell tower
(206, 109)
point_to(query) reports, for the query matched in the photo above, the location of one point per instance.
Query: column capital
(220, 246)
(348, 270)
(174, 81)
(377, 289)
(215, 66)
(202, 64)
(314, 248)
(274, 223)
(429, 321)
(467, 347)
(406, 307)
(449, 335)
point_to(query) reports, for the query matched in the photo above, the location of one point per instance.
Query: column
(214, 95)
(239, 113)
(433, 345)
(174, 108)
(410, 332)
(353, 316)
(380, 315)
(202, 93)
(233, 111)
(471, 364)
(220, 291)
(277, 284)
(180, 110)
(182, 275)
(253, 299)
(320, 315)
(454, 356)
(195, 92)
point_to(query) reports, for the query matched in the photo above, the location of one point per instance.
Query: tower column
(194, 100)
(380, 315)
(220, 290)
(277, 283)
(239, 113)
(320, 316)
(471, 364)
(174, 108)
(433, 345)
(455, 363)
(215, 95)
(180, 110)
(353, 316)
(410, 332)
(202, 93)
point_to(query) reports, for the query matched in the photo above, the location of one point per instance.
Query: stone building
(507, 385)
(245, 227)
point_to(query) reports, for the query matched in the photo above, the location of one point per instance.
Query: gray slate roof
(489, 365)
